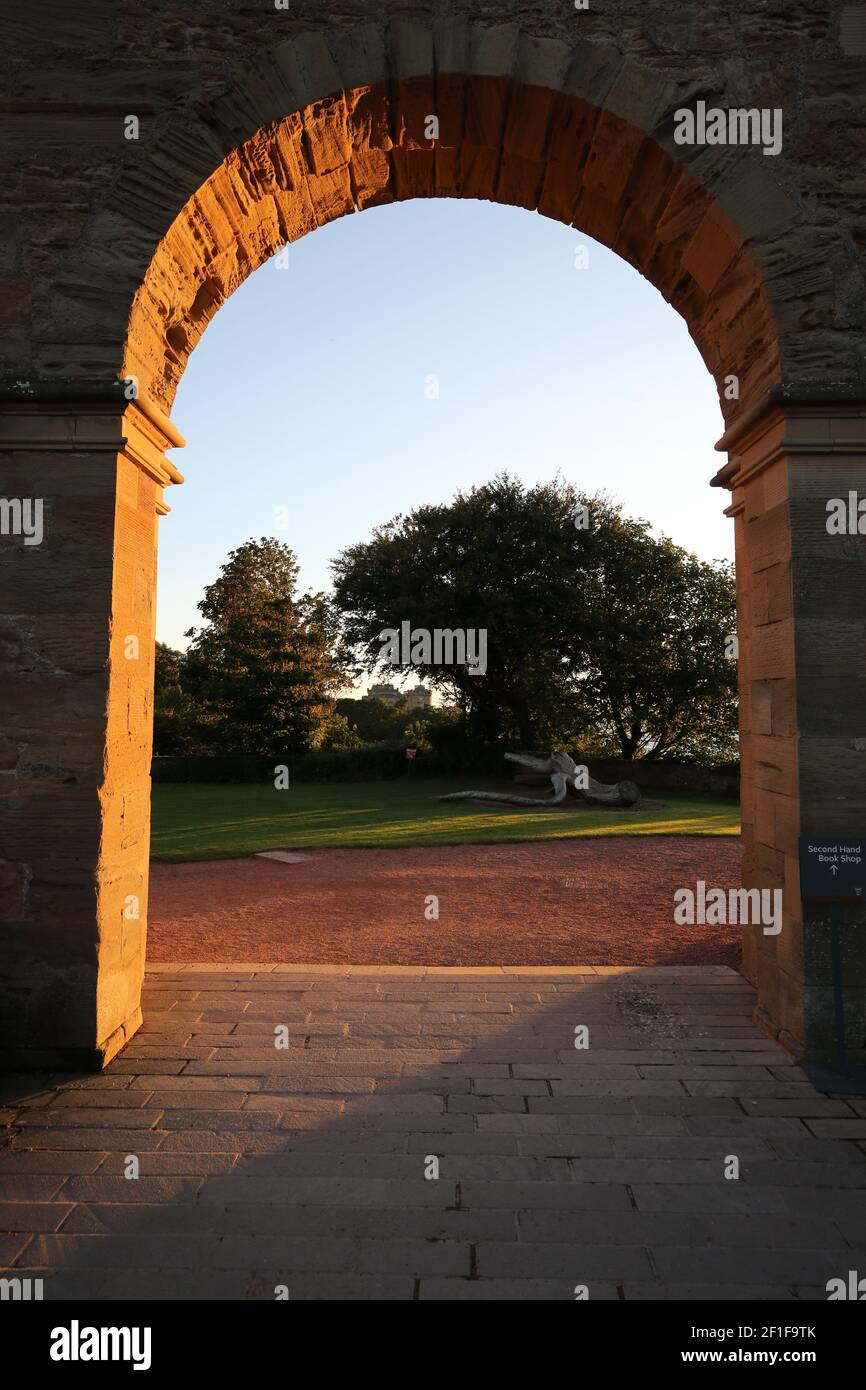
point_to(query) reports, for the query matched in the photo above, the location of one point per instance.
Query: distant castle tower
(389, 694)
(419, 698)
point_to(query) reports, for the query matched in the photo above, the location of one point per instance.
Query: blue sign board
(833, 868)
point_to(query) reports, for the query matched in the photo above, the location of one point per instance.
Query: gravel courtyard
(603, 901)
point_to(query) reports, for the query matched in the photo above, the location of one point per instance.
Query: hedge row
(375, 764)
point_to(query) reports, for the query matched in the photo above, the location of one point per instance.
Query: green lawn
(205, 821)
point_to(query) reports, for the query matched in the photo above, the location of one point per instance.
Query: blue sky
(306, 404)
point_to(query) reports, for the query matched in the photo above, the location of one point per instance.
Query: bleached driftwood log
(566, 778)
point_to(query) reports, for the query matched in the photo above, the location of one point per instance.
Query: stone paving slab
(386, 1132)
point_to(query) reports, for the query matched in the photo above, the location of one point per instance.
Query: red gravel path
(605, 901)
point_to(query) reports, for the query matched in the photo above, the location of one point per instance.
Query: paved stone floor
(304, 1166)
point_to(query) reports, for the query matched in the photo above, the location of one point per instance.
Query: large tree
(653, 664)
(261, 668)
(598, 634)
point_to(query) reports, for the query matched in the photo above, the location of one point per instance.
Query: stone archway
(332, 121)
(499, 140)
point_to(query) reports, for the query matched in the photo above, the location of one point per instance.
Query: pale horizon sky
(309, 391)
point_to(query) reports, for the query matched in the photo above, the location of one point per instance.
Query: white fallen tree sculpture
(567, 777)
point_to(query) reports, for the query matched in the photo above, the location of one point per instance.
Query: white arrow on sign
(833, 869)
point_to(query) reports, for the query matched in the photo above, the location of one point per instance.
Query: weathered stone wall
(802, 670)
(84, 208)
(76, 715)
(256, 125)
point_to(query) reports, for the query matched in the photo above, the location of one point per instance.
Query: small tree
(373, 719)
(176, 717)
(262, 667)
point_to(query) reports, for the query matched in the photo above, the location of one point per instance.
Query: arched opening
(554, 359)
(495, 139)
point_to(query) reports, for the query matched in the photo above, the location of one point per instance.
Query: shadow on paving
(558, 1167)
